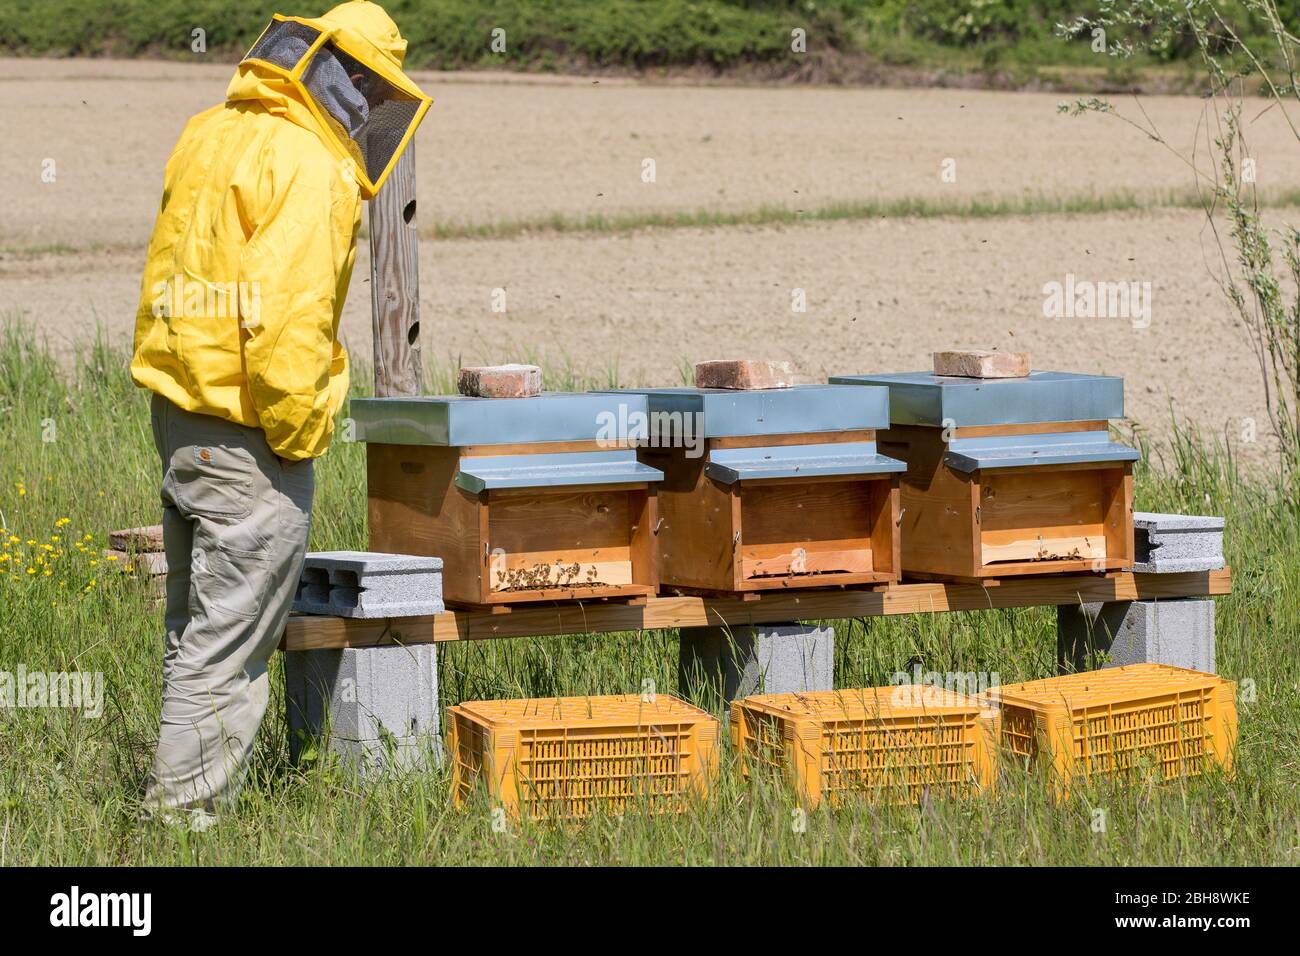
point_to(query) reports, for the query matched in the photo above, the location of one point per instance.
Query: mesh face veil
(369, 108)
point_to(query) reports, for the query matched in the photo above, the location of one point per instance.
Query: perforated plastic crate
(565, 757)
(890, 744)
(1152, 721)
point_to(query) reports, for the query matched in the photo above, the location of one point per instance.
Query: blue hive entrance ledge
(553, 470)
(970, 454)
(730, 465)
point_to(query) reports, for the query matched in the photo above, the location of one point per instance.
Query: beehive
(888, 744)
(771, 488)
(524, 499)
(1145, 721)
(1009, 476)
(568, 757)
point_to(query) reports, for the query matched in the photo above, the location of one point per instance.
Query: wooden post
(395, 281)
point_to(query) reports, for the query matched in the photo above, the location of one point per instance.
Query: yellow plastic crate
(1147, 720)
(563, 757)
(888, 744)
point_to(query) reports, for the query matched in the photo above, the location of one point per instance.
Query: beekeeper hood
(345, 69)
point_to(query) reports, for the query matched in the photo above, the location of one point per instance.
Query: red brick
(500, 381)
(978, 363)
(743, 374)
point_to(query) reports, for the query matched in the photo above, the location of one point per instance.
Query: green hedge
(539, 33)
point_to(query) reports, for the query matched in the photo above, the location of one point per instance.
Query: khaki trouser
(235, 524)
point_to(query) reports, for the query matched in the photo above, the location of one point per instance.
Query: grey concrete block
(755, 659)
(400, 754)
(1178, 631)
(365, 584)
(1165, 544)
(365, 701)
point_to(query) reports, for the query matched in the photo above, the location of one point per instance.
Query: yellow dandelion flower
(110, 557)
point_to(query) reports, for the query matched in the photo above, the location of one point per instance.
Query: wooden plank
(799, 561)
(938, 531)
(784, 441)
(145, 539)
(306, 633)
(540, 448)
(695, 528)
(395, 281)
(1050, 544)
(1028, 428)
(415, 507)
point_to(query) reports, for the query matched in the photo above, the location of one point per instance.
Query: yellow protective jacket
(252, 252)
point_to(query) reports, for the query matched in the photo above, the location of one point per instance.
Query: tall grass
(69, 786)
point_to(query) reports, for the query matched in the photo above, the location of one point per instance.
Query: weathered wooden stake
(395, 281)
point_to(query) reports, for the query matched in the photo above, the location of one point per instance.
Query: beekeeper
(237, 337)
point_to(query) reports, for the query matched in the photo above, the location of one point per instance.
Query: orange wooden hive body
(771, 488)
(524, 499)
(1009, 476)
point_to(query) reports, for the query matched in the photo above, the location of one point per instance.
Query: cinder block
(375, 706)
(375, 757)
(755, 659)
(365, 584)
(979, 363)
(1165, 544)
(1178, 631)
(500, 381)
(743, 375)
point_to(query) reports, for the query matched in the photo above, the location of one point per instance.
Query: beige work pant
(235, 524)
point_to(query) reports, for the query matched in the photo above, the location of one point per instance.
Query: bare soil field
(501, 148)
(637, 305)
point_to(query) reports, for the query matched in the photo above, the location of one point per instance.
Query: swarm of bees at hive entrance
(543, 576)
(1045, 555)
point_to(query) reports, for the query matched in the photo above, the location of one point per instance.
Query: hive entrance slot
(808, 529)
(560, 540)
(1034, 515)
